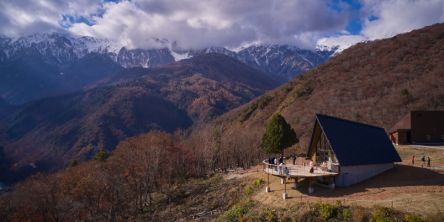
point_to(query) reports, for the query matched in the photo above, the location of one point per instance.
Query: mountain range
(49, 64)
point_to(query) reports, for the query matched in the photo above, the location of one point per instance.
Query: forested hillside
(375, 82)
(49, 133)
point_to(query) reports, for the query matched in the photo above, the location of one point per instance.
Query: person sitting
(286, 171)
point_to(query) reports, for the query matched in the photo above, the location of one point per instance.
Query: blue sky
(231, 23)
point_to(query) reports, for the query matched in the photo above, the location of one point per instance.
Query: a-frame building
(355, 150)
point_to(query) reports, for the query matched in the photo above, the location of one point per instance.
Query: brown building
(419, 127)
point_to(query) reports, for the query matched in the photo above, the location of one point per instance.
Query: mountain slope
(375, 82)
(49, 133)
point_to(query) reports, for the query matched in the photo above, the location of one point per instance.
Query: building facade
(354, 150)
(419, 127)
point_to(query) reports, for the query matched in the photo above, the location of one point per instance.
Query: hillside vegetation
(375, 82)
(49, 133)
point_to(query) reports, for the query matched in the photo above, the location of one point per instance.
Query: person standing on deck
(281, 168)
(275, 162)
(423, 160)
(413, 160)
(428, 161)
(294, 159)
(311, 168)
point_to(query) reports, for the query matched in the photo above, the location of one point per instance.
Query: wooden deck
(299, 171)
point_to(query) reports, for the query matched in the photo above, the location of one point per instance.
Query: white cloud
(203, 23)
(230, 23)
(390, 17)
(22, 17)
(398, 16)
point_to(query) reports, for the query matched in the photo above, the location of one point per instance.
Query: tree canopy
(278, 135)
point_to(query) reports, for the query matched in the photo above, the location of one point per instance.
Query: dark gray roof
(357, 143)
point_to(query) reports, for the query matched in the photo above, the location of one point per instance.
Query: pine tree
(278, 135)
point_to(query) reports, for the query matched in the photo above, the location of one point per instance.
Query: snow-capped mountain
(55, 47)
(61, 49)
(284, 61)
(145, 58)
(45, 64)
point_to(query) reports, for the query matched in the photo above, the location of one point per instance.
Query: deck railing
(293, 170)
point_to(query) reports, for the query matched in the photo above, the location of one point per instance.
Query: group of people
(276, 161)
(280, 162)
(424, 160)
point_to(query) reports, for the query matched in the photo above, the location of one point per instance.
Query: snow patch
(178, 57)
(339, 43)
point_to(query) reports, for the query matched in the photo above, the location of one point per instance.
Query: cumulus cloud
(229, 23)
(398, 16)
(383, 19)
(204, 23)
(23, 17)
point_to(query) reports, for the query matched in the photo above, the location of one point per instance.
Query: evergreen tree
(278, 135)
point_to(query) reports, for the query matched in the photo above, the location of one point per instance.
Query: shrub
(305, 89)
(269, 215)
(237, 212)
(346, 214)
(382, 215)
(101, 155)
(404, 92)
(261, 103)
(258, 182)
(326, 211)
(248, 190)
(413, 218)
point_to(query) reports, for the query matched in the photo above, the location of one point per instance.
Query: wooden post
(332, 183)
(285, 194)
(295, 185)
(310, 187)
(267, 189)
(285, 185)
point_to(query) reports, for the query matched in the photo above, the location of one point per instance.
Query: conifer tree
(278, 135)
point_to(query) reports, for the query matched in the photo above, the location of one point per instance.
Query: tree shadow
(399, 176)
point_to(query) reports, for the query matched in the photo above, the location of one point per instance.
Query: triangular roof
(356, 143)
(404, 123)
